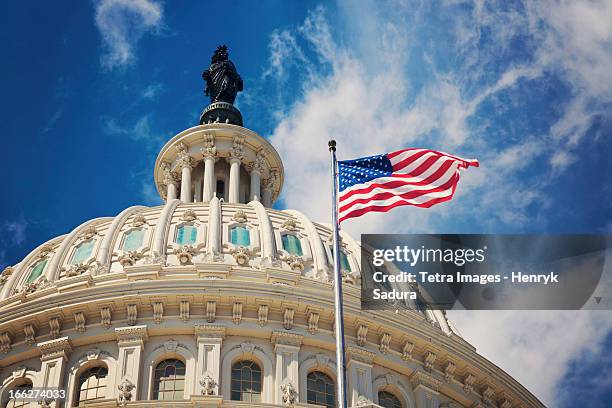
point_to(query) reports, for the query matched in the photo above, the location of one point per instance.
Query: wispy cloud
(13, 233)
(152, 91)
(122, 23)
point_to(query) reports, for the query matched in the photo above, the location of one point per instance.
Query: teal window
(292, 244)
(240, 236)
(37, 270)
(82, 252)
(133, 240)
(186, 235)
(344, 262)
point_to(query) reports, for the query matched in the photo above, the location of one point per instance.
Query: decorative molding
(56, 348)
(184, 160)
(449, 371)
(209, 331)
(170, 346)
(290, 224)
(423, 378)
(158, 312)
(407, 351)
(237, 312)
(211, 311)
(241, 255)
(468, 383)
(79, 322)
(5, 342)
(209, 151)
(125, 392)
(289, 393)
(55, 327)
(29, 330)
(286, 339)
(184, 310)
(189, 215)
(209, 385)
(313, 322)
(385, 340)
(105, 317)
(428, 360)
(359, 354)
(138, 220)
(295, 262)
(487, 394)
(240, 217)
(132, 335)
(132, 314)
(185, 254)
(262, 315)
(288, 315)
(362, 334)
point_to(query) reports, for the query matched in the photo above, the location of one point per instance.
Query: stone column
(286, 348)
(208, 369)
(209, 154)
(185, 163)
(426, 389)
(257, 167)
(170, 181)
(359, 373)
(267, 188)
(54, 354)
(234, 179)
(131, 344)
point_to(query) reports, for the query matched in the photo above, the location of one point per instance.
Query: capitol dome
(215, 299)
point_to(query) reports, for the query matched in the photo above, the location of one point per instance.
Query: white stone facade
(210, 282)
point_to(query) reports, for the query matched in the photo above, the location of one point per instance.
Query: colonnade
(179, 182)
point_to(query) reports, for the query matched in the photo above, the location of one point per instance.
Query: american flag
(419, 177)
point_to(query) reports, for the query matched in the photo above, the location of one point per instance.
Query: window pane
(240, 236)
(292, 244)
(186, 235)
(246, 383)
(320, 389)
(37, 270)
(169, 381)
(388, 400)
(133, 240)
(82, 252)
(92, 384)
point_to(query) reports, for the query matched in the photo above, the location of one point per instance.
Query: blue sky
(92, 90)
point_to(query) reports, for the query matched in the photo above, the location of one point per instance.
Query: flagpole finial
(332, 145)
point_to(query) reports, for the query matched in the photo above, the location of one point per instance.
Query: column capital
(260, 163)
(209, 151)
(424, 379)
(281, 338)
(131, 335)
(55, 348)
(209, 331)
(360, 355)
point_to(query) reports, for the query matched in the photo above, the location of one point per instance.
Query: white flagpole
(338, 309)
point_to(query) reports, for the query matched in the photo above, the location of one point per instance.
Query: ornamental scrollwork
(241, 255)
(208, 385)
(125, 392)
(129, 258)
(295, 262)
(289, 393)
(185, 254)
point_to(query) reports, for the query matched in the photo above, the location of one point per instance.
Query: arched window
(37, 270)
(186, 234)
(169, 382)
(388, 400)
(345, 265)
(92, 385)
(246, 381)
(240, 236)
(292, 244)
(320, 389)
(133, 240)
(19, 403)
(82, 252)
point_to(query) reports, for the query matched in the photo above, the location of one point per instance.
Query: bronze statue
(222, 79)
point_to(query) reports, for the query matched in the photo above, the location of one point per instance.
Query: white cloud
(122, 23)
(152, 91)
(358, 92)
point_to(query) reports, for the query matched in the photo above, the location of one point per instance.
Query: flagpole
(338, 308)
